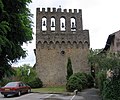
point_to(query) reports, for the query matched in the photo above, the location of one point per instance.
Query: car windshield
(11, 84)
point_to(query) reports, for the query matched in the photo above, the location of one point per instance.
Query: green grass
(59, 89)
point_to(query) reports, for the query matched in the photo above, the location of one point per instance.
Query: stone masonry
(60, 35)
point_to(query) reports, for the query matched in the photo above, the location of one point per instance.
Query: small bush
(79, 81)
(35, 83)
(83, 79)
(74, 83)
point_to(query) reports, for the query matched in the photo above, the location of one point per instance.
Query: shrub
(35, 83)
(111, 89)
(74, 83)
(83, 79)
(101, 77)
(78, 81)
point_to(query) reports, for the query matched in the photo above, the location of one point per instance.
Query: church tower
(59, 36)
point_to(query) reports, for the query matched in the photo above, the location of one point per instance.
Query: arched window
(52, 24)
(73, 24)
(62, 24)
(44, 24)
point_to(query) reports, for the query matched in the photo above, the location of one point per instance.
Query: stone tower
(60, 35)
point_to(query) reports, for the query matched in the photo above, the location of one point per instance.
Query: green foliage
(8, 71)
(4, 28)
(93, 56)
(101, 77)
(83, 79)
(90, 80)
(111, 89)
(35, 83)
(1, 6)
(23, 71)
(79, 81)
(22, 74)
(51, 89)
(4, 81)
(109, 61)
(15, 29)
(103, 60)
(69, 69)
(74, 83)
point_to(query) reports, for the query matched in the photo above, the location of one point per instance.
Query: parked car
(15, 88)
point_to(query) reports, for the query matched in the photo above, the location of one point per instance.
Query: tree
(104, 60)
(27, 74)
(15, 29)
(69, 68)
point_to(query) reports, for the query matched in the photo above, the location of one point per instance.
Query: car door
(25, 87)
(21, 89)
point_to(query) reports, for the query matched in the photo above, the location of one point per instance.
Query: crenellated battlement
(54, 10)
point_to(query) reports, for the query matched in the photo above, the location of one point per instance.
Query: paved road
(38, 96)
(30, 96)
(89, 94)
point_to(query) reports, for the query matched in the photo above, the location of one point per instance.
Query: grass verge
(60, 89)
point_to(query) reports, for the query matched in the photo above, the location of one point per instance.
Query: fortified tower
(59, 36)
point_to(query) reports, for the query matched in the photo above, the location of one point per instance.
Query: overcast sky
(100, 17)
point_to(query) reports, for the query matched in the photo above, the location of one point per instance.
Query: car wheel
(29, 90)
(19, 93)
(5, 95)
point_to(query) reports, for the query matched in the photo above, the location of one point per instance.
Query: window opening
(44, 24)
(52, 24)
(73, 24)
(62, 24)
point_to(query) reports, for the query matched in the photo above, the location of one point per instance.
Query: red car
(15, 88)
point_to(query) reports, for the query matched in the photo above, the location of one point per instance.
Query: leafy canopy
(15, 29)
(104, 60)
